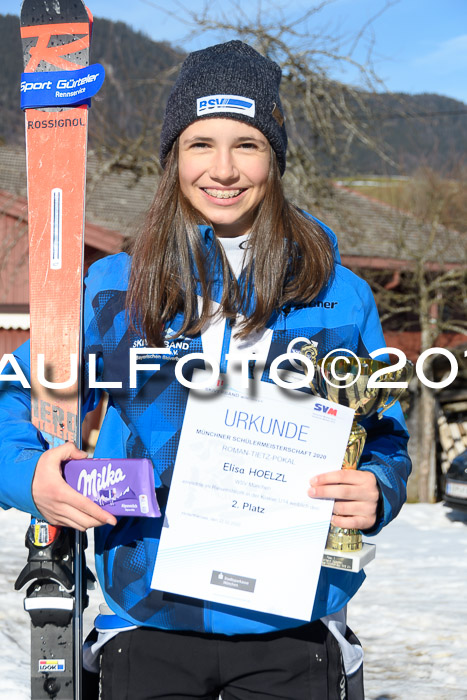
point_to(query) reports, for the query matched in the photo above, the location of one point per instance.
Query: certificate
(240, 528)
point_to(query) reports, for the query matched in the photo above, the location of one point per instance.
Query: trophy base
(349, 561)
(344, 540)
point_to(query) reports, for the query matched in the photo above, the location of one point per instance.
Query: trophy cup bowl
(345, 379)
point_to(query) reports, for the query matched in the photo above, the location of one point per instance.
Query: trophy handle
(311, 352)
(405, 374)
(391, 403)
(314, 391)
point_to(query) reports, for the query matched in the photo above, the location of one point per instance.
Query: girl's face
(223, 171)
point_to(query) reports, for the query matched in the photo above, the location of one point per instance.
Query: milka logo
(325, 409)
(91, 484)
(225, 103)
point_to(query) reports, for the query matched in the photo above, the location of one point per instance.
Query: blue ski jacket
(146, 422)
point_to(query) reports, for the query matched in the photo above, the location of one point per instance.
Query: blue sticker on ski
(61, 88)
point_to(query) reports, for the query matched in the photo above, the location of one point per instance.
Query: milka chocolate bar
(119, 486)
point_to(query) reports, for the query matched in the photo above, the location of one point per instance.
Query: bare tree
(428, 293)
(324, 115)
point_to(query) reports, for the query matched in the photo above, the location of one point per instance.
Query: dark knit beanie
(229, 80)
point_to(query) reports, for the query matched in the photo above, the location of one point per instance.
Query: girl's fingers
(355, 494)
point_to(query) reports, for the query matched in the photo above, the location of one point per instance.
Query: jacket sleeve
(385, 451)
(21, 444)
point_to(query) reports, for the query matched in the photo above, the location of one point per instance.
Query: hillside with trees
(428, 130)
(138, 79)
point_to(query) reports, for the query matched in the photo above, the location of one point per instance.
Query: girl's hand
(355, 495)
(58, 502)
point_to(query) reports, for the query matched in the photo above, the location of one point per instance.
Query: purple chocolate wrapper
(119, 486)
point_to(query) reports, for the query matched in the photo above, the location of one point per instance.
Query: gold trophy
(345, 379)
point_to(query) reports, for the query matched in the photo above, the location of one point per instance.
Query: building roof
(370, 233)
(101, 238)
(115, 201)
(14, 289)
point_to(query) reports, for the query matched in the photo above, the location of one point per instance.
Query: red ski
(56, 140)
(56, 38)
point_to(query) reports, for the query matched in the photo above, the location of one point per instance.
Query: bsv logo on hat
(225, 103)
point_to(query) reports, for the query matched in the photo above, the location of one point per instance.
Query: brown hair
(289, 259)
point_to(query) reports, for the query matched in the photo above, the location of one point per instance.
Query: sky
(418, 45)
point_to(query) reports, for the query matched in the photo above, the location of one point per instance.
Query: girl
(224, 263)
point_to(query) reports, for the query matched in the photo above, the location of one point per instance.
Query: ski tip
(91, 20)
(43, 12)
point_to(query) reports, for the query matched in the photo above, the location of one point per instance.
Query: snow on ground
(14, 622)
(410, 614)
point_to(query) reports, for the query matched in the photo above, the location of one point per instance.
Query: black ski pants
(298, 664)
